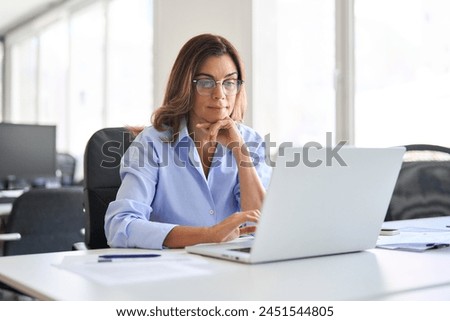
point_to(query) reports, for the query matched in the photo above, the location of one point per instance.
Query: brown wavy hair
(180, 90)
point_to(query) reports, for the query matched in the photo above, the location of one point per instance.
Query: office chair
(44, 220)
(66, 164)
(101, 179)
(423, 186)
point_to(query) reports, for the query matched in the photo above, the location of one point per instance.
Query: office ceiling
(14, 12)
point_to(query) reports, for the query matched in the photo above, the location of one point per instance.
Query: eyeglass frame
(239, 83)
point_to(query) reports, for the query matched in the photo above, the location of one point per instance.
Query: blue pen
(113, 257)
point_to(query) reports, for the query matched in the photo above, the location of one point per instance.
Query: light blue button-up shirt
(163, 185)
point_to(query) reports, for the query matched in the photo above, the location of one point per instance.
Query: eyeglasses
(206, 86)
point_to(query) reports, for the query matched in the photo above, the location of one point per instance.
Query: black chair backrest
(49, 220)
(423, 187)
(66, 165)
(102, 156)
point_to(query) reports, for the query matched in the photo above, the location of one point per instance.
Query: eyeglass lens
(206, 86)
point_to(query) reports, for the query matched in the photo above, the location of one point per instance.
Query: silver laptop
(319, 202)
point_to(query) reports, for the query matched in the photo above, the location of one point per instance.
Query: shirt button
(211, 212)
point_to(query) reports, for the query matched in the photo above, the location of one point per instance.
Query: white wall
(176, 21)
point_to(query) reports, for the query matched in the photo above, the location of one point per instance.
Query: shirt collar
(183, 132)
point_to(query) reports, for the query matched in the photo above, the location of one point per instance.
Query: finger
(247, 216)
(253, 219)
(239, 218)
(203, 125)
(214, 129)
(253, 214)
(224, 124)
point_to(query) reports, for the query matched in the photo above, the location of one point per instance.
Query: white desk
(6, 201)
(5, 209)
(371, 275)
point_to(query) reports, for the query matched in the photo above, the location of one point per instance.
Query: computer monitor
(27, 153)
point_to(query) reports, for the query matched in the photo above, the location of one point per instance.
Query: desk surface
(5, 209)
(370, 275)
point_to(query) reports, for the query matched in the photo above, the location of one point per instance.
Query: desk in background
(5, 209)
(370, 275)
(7, 198)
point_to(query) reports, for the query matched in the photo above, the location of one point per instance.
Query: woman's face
(214, 105)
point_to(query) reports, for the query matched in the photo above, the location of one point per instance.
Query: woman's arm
(128, 224)
(227, 230)
(252, 191)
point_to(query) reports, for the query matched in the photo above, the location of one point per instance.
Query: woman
(197, 175)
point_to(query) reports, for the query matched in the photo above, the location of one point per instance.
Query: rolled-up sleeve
(128, 218)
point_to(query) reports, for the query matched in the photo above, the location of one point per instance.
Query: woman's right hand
(231, 227)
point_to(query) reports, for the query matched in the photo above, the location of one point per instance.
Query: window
(86, 76)
(1, 79)
(100, 72)
(130, 53)
(294, 96)
(53, 66)
(402, 72)
(398, 59)
(24, 66)
(84, 69)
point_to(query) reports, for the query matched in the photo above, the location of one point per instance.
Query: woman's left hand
(224, 131)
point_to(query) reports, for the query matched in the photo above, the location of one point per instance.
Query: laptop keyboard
(244, 249)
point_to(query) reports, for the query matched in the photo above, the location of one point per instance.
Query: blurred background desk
(5, 209)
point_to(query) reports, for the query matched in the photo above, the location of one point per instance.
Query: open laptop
(319, 202)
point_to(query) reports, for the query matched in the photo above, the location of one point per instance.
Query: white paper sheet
(167, 266)
(415, 238)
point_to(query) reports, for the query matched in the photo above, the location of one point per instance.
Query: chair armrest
(79, 246)
(10, 237)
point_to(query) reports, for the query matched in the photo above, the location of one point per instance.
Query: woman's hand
(231, 227)
(227, 230)
(223, 131)
(226, 132)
